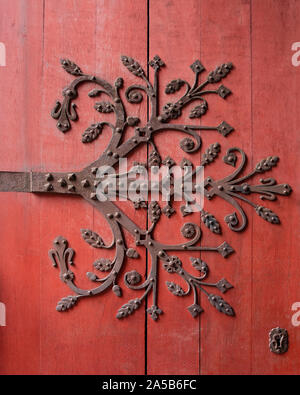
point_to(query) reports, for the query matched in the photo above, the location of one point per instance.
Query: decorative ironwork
(278, 340)
(85, 182)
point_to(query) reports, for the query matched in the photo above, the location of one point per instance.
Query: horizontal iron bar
(11, 181)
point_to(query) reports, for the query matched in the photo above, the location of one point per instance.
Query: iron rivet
(136, 231)
(119, 241)
(109, 153)
(117, 100)
(117, 215)
(150, 243)
(93, 196)
(49, 177)
(72, 177)
(159, 118)
(62, 182)
(134, 141)
(48, 187)
(220, 187)
(94, 170)
(116, 155)
(71, 188)
(110, 216)
(118, 130)
(85, 183)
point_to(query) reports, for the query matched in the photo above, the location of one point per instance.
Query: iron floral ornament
(84, 183)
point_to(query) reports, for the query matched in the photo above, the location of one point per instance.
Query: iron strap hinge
(11, 181)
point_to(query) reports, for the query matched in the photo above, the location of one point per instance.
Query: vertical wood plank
(89, 339)
(225, 37)
(21, 31)
(276, 132)
(173, 341)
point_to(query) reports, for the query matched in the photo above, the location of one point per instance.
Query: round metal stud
(85, 183)
(71, 188)
(93, 196)
(49, 177)
(72, 177)
(48, 187)
(62, 182)
(94, 170)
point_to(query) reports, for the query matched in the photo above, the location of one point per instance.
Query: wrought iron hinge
(84, 183)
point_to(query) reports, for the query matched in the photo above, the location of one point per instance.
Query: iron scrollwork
(84, 183)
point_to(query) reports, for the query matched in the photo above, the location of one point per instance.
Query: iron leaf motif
(66, 303)
(70, 67)
(91, 133)
(128, 308)
(92, 238)
(220, 304)
(175, 288)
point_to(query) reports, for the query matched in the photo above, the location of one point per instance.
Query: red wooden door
(260, 38)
